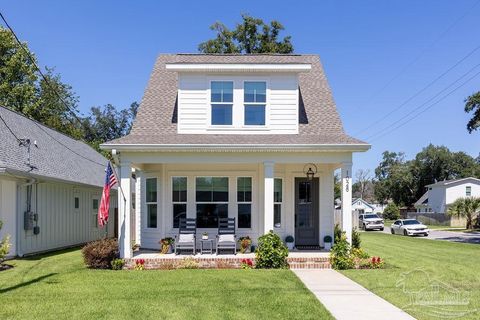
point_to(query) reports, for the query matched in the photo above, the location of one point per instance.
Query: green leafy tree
(18, 77)
(108, 123)
(4, 245)
(22, 88)
(391, 212)
(252, 35)
(472, 104)
(468, 207)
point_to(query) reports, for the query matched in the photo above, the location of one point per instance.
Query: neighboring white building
(50, 187)
(233, 136)
(362, 206)
(441, 194)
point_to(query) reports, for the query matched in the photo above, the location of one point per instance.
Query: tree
(253, 35)
(18, 77)
(107, 123)
(391, 212)
(22, 88)
(4, 245)
(465, 207)
(362, 184)
(472, 104)
(404, 181)
(337, 186)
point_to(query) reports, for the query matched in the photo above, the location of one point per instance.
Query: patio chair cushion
(188, 238)
(226, 238)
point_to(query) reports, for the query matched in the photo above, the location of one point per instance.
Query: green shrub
(356, 241)
(117, 264)
(271, 252)
(340, 257)
(391, 212)
(100, 254)
(4, 245)
(327, 239)
(337, 233)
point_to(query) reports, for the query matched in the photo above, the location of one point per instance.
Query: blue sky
(106, 50)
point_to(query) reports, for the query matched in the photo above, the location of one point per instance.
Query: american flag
(110, 181)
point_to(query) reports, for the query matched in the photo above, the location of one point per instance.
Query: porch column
(124, 214)
(138, 207)
(347, 200)
(269, 175)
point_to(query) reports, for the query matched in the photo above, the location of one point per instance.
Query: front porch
(263, 191)
(295, 259)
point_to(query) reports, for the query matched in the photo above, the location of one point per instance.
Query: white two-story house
(441, 194)
(254, 137)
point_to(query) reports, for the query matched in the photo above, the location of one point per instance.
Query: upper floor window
(255, 98)
(222, 102)
(468, 191)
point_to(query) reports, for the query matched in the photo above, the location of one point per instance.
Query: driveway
(464, 237)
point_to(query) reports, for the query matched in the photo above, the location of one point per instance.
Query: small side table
(206, 246)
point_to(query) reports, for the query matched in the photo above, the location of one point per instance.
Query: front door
(306, 212)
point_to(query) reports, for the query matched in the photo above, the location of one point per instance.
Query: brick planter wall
(224, 263)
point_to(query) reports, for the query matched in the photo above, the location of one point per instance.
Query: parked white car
(409, 227)
(370, 221)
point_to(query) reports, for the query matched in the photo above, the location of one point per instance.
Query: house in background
(441, 194)
(50, 187)
(252, 137)
(362, 206)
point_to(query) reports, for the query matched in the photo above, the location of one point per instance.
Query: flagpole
(118, 181)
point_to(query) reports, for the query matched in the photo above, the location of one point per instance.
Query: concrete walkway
(346, 299)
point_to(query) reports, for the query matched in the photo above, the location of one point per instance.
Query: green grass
(453, 264)
(58, 286)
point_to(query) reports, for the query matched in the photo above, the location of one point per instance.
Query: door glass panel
(305, 212)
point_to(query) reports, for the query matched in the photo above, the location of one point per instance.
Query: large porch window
(244, 202)
(211, 198)
(151, 201)
(179, 199)
(277, 202)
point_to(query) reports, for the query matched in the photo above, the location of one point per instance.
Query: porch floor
(296, 260)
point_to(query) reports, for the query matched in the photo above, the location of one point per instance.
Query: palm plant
(465, 207)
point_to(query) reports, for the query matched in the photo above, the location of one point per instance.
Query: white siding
(61, 225)
(7, 212)
(288, 172)
(194, 110)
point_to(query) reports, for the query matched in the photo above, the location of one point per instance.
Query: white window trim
(238, 105)
(176, 202)
(266, 103)
(282, 221)
(244, 202)
(211, 103)
(195, 202)
(147, 203)
(95, 213)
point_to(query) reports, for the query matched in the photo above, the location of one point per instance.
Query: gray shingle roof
(56, 156)
(319, 122)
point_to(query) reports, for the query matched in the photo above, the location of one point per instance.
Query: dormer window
(222, 102)
(254, 98)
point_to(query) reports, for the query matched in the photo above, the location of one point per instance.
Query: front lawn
(58, 286)
(446, 266)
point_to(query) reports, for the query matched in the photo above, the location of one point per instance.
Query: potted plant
(166, 245)
(245, 244)
(328, 242)
(205, 236)
(289, 240)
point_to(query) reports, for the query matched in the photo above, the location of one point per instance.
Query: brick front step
(222, 263)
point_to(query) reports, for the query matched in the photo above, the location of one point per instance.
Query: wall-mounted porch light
(311, 171)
